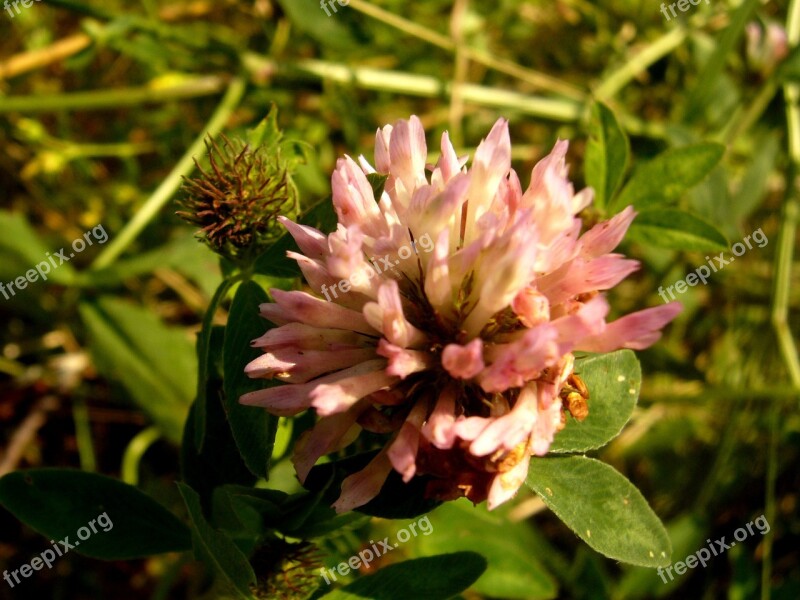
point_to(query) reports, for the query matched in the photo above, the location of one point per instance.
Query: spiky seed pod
(236, 200)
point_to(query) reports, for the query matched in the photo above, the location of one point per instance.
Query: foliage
(133, 351)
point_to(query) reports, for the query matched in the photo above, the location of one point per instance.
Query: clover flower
(462, 356)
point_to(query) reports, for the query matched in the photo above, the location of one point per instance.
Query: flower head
(462, 353)
(236, 200)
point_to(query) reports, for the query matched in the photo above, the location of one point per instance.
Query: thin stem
(769, 500)
(416, 85)
(639, 63)
(100, 99)
(83, 435)
(535, 78)
(170, 185)
(743, 120)
(456, 109)
(134, 453)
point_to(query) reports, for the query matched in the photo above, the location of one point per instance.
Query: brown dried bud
(237, 200)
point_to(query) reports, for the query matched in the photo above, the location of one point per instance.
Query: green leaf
(21, 250)
(687, 532)
(677, 230)
(154, 363)
(204, 360)
(59, 502)
(602, 507)
(613, 381)
(664, 179)
(702, 94)
(185, 253)
(513, 571)
(274, 261)
(253, 428)
(607, 154)
(219, 461)
(266, 133)
(789, 69)
(217, 550)
(433, 578)
(753, 185)
(378, 183)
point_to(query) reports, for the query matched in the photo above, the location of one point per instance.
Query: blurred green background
(103, 105)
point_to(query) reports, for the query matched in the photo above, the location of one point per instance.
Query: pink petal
(307, 337)
(440, 428)
(468, 428)
(448, 164)
(604, 237)
(312, 242)
(292, 398)
(383, 162)
(636, 331)
(506, 485)
(403, 451)
(402, 362)
(464, 362)
(387, 316)
(305, 308)
(282, 400)
(323, 438)
(408, 152)
(509, 430)
(516, 363)
(438, 287)
(584, 276)
(531, 306)
(330, 398)
(299, 366)
(547, 424)
(354, 200)
(359, 488)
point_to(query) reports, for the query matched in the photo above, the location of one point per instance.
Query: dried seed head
(235, 201)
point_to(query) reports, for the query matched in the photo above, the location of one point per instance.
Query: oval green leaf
(665, 178)
(59, 502)
(215, 548)
(602, 507)
(676, 230)
(513, 570)
(252, 428)
(432, 578)
(607, 154)
(613, 381)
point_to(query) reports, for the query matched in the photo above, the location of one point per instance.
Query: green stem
(100, 99)
(173, 181)
(83, 435)
(639, 63)
(769, 500)
(535, 78)
(416, 85)
(134, 453)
